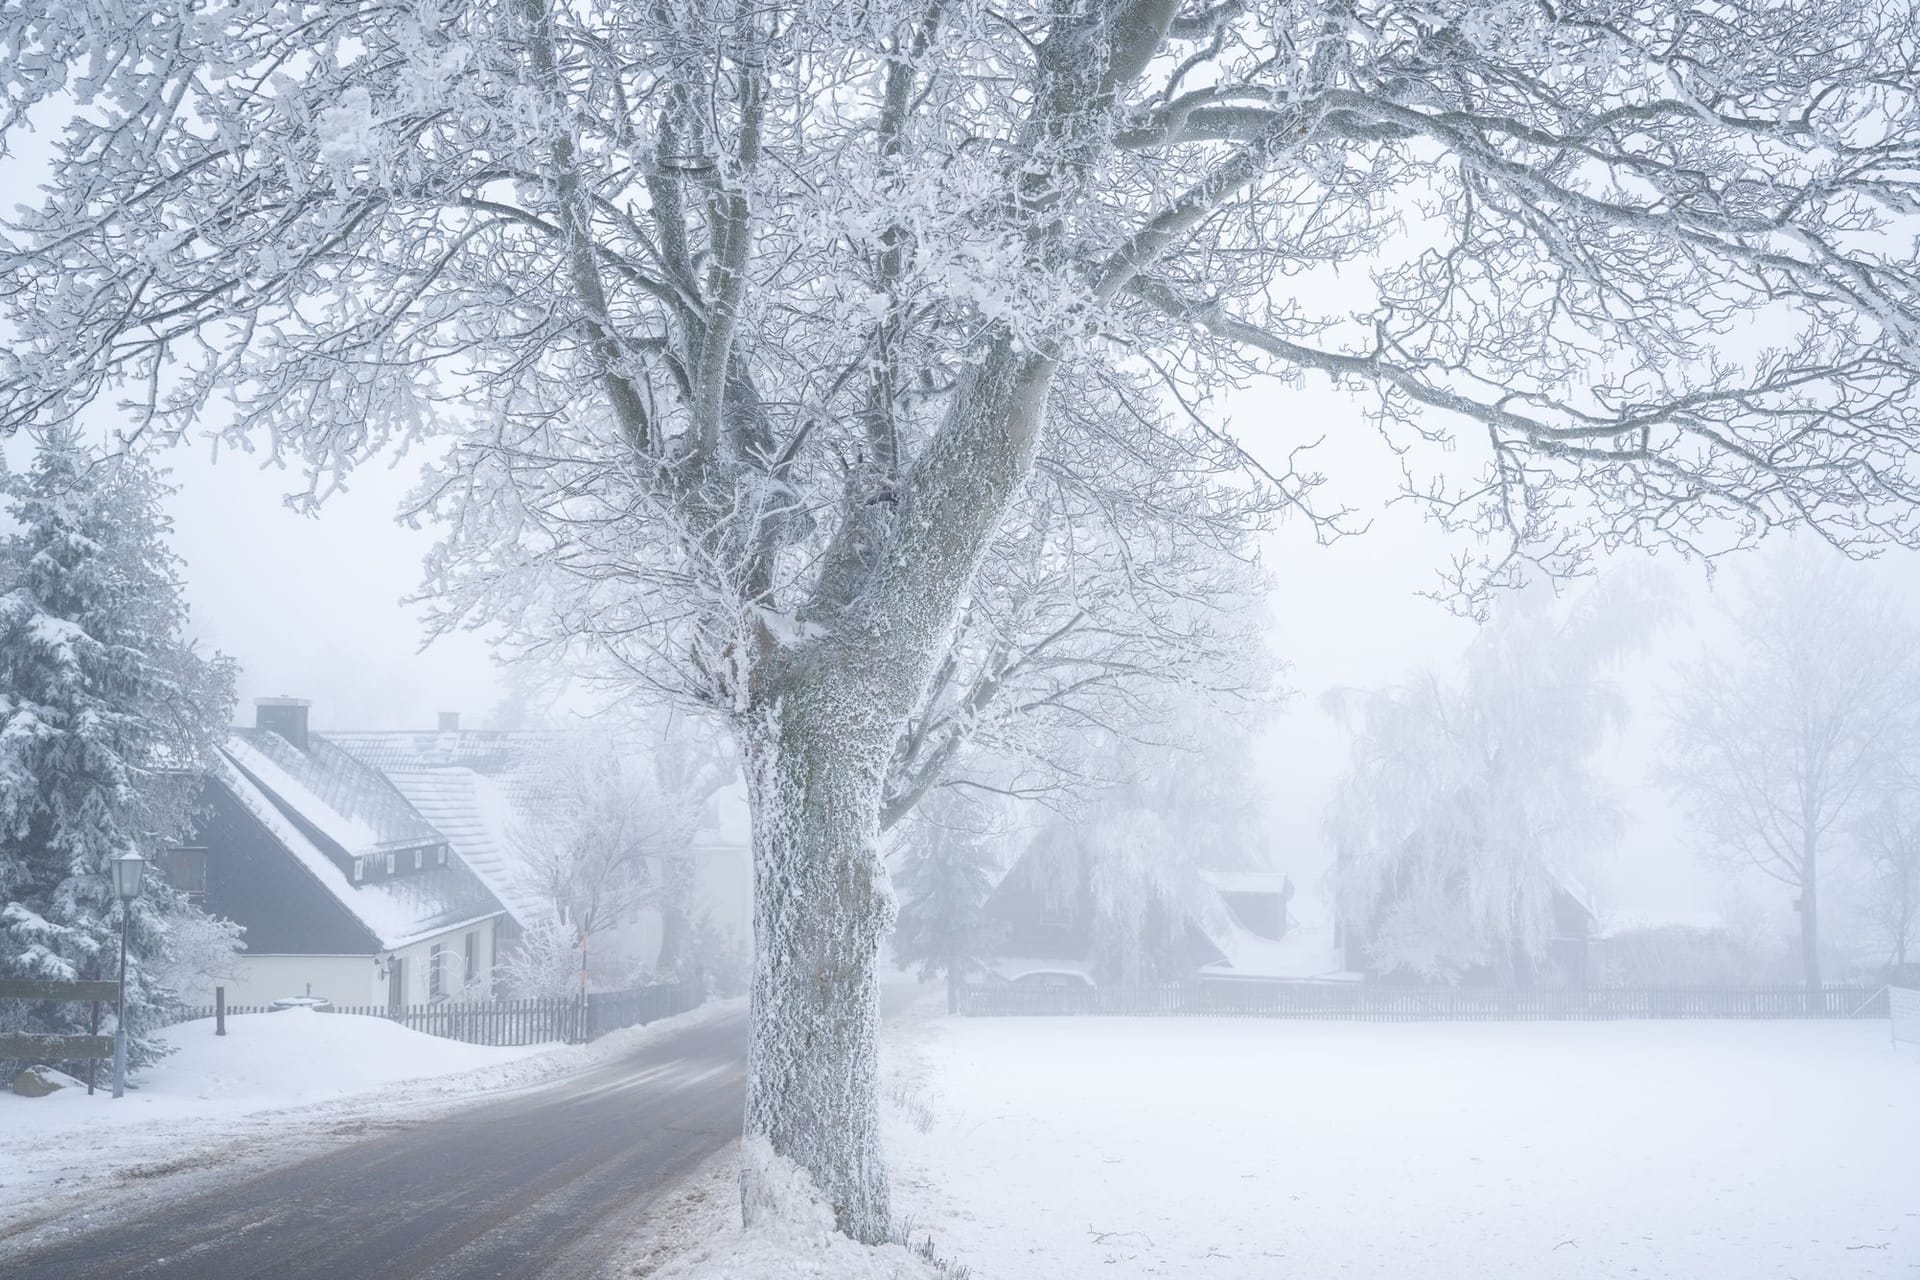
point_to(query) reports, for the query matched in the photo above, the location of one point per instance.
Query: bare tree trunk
(1809, 908)
(820, 912)
(673, 939)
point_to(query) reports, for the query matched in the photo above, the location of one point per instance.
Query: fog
(924, 640)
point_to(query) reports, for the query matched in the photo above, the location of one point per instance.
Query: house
(482, 788)
(1265, 931)
(1237, 926)
(1567, 960)
(345, 889)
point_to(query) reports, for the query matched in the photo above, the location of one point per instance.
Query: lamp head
(128, 870)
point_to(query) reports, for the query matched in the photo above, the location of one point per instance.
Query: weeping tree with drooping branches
(1474, 803)
(759, 318)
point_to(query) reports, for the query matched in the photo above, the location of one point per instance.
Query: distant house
(1265, 932)
(345, 889)
(482, 789)
(1568, 956)
(1240, 926)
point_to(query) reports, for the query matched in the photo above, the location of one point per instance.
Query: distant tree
(1472, 801)
(946, 863)
(1787, 734)
(688, 760)
(545, 961)
(582, 842)
(1888, 838)
(107, 718)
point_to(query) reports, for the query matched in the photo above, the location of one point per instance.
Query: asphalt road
(541, 1184)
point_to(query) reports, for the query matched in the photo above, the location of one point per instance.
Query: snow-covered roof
(1302, 955)
(471, 784)
(1615, 923)
(477, 814)
(397, 911)
(1572, 886)
(493, 752)
(1247, 881)
(333, 791)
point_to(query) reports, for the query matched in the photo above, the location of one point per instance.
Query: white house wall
(418, 956)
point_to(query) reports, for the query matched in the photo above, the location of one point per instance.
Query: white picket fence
(1903, 1008)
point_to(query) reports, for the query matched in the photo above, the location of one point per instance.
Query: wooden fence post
(219, 1011)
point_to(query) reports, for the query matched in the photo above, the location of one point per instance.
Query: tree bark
(1809, 907)
(821, 908)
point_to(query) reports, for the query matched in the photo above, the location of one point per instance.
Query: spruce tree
(107, 718)
(946, 867)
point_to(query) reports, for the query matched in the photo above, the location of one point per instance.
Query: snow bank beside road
(794, 1240)
(275, 1078)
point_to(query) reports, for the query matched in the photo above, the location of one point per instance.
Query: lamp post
(128, 869)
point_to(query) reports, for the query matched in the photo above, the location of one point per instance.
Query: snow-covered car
(1053, 978)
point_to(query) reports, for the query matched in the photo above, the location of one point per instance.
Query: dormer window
(359, 870)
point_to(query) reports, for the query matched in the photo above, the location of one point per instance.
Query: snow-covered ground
(1079, 1148)
(274, 1080)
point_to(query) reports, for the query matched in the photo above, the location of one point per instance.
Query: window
(389, 864)
(440, 855)
(185, 868)
(436, 976)
(472, 957)
(416, 859)
(359, 870)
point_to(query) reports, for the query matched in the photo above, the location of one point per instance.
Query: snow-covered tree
(770, 310)
(583, 842)
(689, 762)
(545, 962)
(1473, 802)
(946, 863)
(612, 814)
(1783, 735)
(1888, 838)
(107, 717)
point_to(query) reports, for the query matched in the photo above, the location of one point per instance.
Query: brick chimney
(449, 722)
(285, 716)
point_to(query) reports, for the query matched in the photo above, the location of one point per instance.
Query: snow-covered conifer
(945, 866)
(106, 716)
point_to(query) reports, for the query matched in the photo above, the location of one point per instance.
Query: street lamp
(128, 869)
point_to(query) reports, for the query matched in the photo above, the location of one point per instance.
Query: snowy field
(1079, 1148)
(274, 1079)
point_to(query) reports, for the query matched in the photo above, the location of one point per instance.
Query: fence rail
(1367, 1002)
(515, 1022)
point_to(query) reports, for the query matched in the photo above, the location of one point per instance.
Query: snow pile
(1084, 1148)
(273, 1079)
(793, 1237)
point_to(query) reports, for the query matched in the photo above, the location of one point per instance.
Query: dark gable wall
(255, 881)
